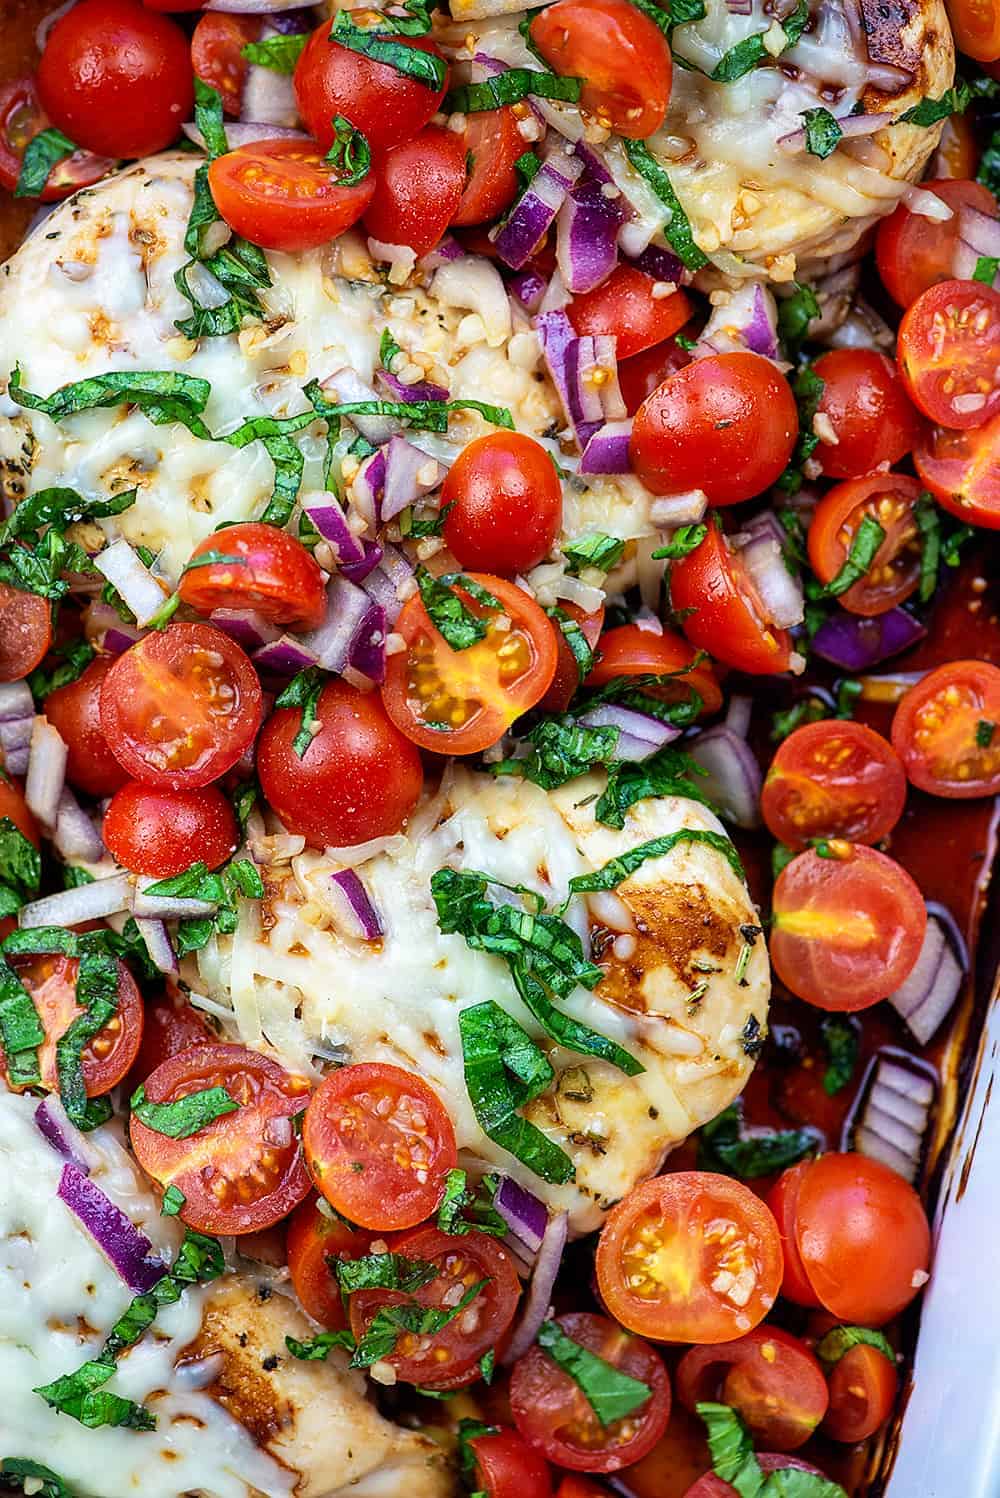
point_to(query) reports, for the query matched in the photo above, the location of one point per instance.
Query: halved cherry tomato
(626, 307)
(621, 55)
(957, 153)
(21, 119)
(217, 54)
(863, 1388)
(894, 573)
(640, 375)
(157, 831)
(552, 1413)
(494, 143)
(116, 78)
(258, 567)
(689, 1257)
(25, 632)
(51, 982)
(962, 471)
(359, 778)
(314, 1238)
(504, 503)
(449, 1358)
(863, 1237)
(418, 187)
(507, 1467)
(975, 25)
(462, 701)
(181, 706)
(870, 413)
(386, 104)
(75, 710)
(711, 1486)
(847, 928)
(769, 1377)
(630, 651)
(173, 5)
(379, 1143)
(721, 609)
(244, 1171)
(725, 424)
(833, 779)
(285, 195)
(14, 808)
(576, 1486)
(171, 1025)
(947, 731)
(913, 252)
(566, 681)
(783, 1200)
(949, 353)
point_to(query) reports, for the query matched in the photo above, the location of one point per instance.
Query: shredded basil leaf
(317, 1349)
(72, 657)
(510, 88)
(726, 1147)
(678, 227)
(20, 864)
(388, 1271)
(21, 1031)
(954, 100)
(380, 1338)
(593, 550)
(795, 313)
(427, 416)
(842, 1040)
(208, 116)
(985, 730)
(986, 269)
(575, 639)
(668, 772)
(840, 1339)
(685, 539)
(823, 134)
(97, 996)
(22, 1470)
(162, 395)
(187, 1116)
(380, 45)
(350, 155)
(456, 623)
(173, 1200)
(617, 870)
(44, 151)
(466, 1209)
(864, 547)
(304, 691)
(279, 53)
(745, 56)
(561, 750)
(611, 1394)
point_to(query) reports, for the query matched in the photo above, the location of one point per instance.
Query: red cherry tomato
(171, 1025)
(945, 731)
(494, 143)
(833, 779)
(913, 252)
(217, 54)
(116, 78)
(553, 1415)
(769, 1377)
(783, 1199)
(961, 471)
(631, 651)
(21, 119)
(863, 1238)
(285, 195)
(507, 1467)
(711, 1486)
(314, 1238)
(387, 105)
(418, 187)
(14, 808)
(949, 353)
(450, 1357)
(75, 710)
(462, 701)
(359, 778)
(565, 682)
(576, 1486)
(244, 1171)
(689, 1257)
(975, 25)
(847, 928)
(174, 5)
(863, 1389)
(379, 1143)
(722, 611)
(871, 416)
(504, 503)
(181, 706)
(621, 55)
(640, 375)
(894, 574)
(626, 307)
(263, 569)
(25, 632)
(725, 424)
(51, 982)
(160, 832)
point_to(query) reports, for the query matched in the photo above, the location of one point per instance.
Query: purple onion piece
(249, 629)
(521, 1210)
(535, 211)
(409, 475)
(856, 644)
(46, 777)
(117, 640)
(539, 1295)
(116, 1235)
(366, 652)
(587, 236)
(331, 522)
(528, 287)
(65, 1138)
(293, 22)
(761, 332)
(639, 735)
(88, 902)
(371, 555)
(158, 944)
(424, 390)
(733, 779)
(359, 916)
(607, 449)
(75, 835)
(366, 488)
(346, 607)
(16, 702)
(284, 656)
(659, 263)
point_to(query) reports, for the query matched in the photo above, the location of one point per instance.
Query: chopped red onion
(347, 606)
(521, 1210)
(367, 487)
(357, 915)
(46, 772)
(536, 209)
(253, 7)
(889, 1120)
(15, 739)
(249, 629)
(139, 589)
(934, 983)
(293, 22)
(346, 385)
(780, 593)
(539, 1297)
(409, 474)
(284, 656)
(367, 650)
(528, 287)
(739, 7)
(851, 126)
(607, 450)
(733, 779)
(927, 204)
(587, 236)
(246, 132)
(329, 519)
(16, 701)
(980, 235)
(738, 715)
(423, 390)
(856, 644)
(639, 734)
(166, 907)
(129, 1250)
(75, 835)
(668, 511)
(661, 264)
(158, 944)
(888, 78)
(446, 249)
(748, 320)
(390, 583)
(371, 554)
(70, 907)
(52, 1122)
(567, 356)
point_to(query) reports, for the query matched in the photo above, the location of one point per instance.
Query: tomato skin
(628, 650)
(894, 575)
(388, 106)
(961, 471)
(769, 1377)
(507, 1467)
(553, 1416)
(676, 1212)
(216, 54)
(351, 1121)
(14, 807)
(25, 632)
(171, 1025)
(639, 375)
(313, 1237)
(783, 1199)
(935, 728)
(833, 779)
(711, 1486)
(495, 143)
(726, 616)
(576, 1486)
(282, 195)
(976, 28)
(155, 831)
(51, 982)
(566, 680)
(725, 424)
(948, 353)
(116, 78)
(244, 1171)
(863, 1389)
(624, 307)
(276, 577)
(359, 778)
(864, 399)
(75, 710)
(506, 504)
(418, 187)
(21, 119)
(863, 1237)
(913, 252)
(622, 56)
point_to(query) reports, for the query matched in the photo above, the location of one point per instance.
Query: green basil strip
(745, 56)
(388, 1271)
(678, 227)
(97, 996)
(60, 507)
(196, 883)
(73, 657)
(423, 67)
(279, 53)
(317, 1349)
(21, 1469)
(173, 1200)
(162, 395)
(379, 1341)
(20, 860)
(611, 1394)
(596, 550)
(209, 118)
(303, 691)
(842, 1042)
(685, 539)
(617, 870)
(569, 1032)
(841, 1339)
(456, 623)
(466, 1209)
(187, 1116)
(428, 416)
(668, 772)
(823, 133)
(21, 1031)
(561, 750)
(725, 1148)
(42, 153)
(351, 157)
(864, 548)
(510, 88)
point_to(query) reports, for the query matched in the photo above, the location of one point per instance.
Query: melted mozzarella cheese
(288, 979)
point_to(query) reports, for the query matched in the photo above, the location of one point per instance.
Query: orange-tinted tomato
(21, 119)
(25, 632)
(871, 416)
(640, 375)
(75, 710)
(949, 353)
(976, 28)
(285, 195)
(833, 779)
(621, 55)
(171, 1025)
(626, 307)
(157, 831)
(418, 187)
(14, 807)
(711, 1486)
(258, 567)
(722, 611)
(769, 1377)
(565, 682)
(962, 471)
(847, 927)
(947, 731)
(672, 1249)
(314, 1238)
(631, 651)
(957, 154)
(507, 1467)
(504, 504)
(494, 143)
(51, 982)
(913, 252)
(863, 1388)
(217, 54)
(387, 105)
(890, 499)
(783, 1200)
